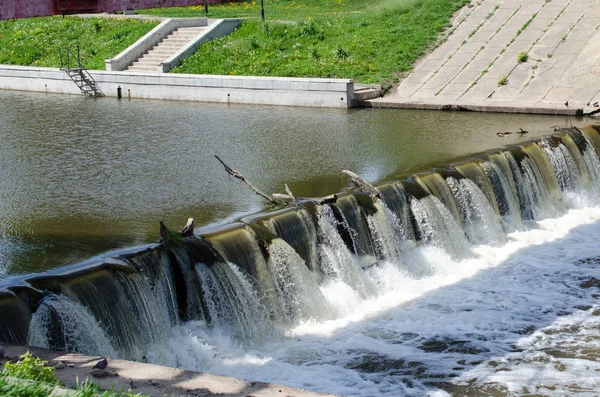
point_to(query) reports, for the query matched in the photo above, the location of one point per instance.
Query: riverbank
(281, 91)
(148, 379)
(350, 39)
(37, 41)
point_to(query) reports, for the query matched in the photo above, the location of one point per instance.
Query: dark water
(80, 176)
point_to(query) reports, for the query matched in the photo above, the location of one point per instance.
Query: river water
(80, 176)
(512, 311)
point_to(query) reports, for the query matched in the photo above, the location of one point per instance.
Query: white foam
(496, 315)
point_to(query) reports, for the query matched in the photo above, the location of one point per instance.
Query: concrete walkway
(560, 76)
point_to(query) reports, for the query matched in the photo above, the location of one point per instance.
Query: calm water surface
(80, 176)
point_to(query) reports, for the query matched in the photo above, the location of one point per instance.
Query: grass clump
(35, 41)
(370, 42)
(31, 376)
(522, 57)
(503, 80)
(30, 368)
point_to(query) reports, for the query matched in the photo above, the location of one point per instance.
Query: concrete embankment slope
(152, 380)
(560, 76)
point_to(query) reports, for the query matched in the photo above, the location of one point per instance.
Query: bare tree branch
(238, 175)
(361, 183)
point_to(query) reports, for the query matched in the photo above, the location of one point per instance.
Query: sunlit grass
(367, 41)
(36, 41)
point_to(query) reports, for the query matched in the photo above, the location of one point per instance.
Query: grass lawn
(35, 41)
(368, 41)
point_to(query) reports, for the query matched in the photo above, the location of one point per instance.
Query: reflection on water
(79, 176)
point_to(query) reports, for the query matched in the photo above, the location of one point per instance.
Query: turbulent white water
(512, 318)
(491, 299)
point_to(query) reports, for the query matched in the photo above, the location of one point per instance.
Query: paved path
(561, 75)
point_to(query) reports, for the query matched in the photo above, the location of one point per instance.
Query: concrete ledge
(149, 379)
(219, 28)
(137, 49)
(513, 107)
(331, 93)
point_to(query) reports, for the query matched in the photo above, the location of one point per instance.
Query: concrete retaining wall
(219, 28)
(137, 49)
(334, 93)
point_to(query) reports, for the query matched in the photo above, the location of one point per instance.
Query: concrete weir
(305, 92)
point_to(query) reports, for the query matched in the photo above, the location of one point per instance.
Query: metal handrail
(65, 60)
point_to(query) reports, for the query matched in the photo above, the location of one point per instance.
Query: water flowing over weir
(209, 298)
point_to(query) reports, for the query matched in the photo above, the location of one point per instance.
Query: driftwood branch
(238, 175)
(188, 229)
(361, 184)
(287, 198)
(289, 192)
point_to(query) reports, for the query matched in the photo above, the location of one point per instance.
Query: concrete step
(363, 93)
(152, 58)
(138, 68)
(149, 62)
(185, 34)
(194, 30)
(165, 49)
(170, 41)
(170, 45)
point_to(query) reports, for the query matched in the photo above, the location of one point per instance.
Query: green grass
(370, 42)
(35, 41)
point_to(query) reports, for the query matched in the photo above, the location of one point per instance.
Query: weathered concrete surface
(152, 380)
(561, 75)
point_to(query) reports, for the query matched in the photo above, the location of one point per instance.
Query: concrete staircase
(164, 49)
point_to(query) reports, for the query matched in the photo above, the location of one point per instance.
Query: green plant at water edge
(21, 389)
(522, 57)
(30, 368)
(90, 389)
(502, 81)
(31, 377)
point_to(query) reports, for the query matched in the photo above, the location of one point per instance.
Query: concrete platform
(152, 380)
(561, 75)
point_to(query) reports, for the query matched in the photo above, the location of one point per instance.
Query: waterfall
(234, 303)
(255, 280)
(60, 322)
(479, 218)
(337, 262)
(438, 227)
